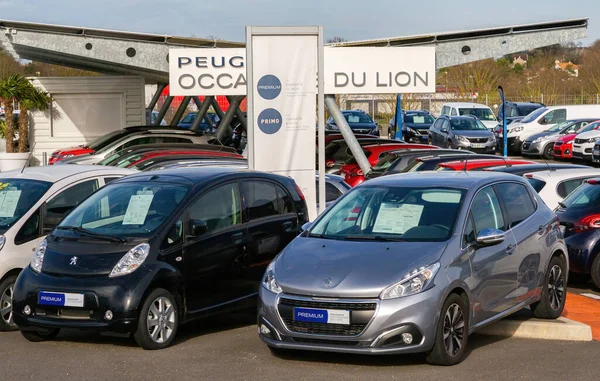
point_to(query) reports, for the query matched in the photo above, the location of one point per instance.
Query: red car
(352, 172)
(563, 147)
(470, 165)
(136, 161)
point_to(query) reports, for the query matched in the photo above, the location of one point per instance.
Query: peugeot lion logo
(328, 283)
(73, 261)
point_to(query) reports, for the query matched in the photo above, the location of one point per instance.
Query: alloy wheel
(454, 329)
(161, 320)
(6, 304)
(556, 287)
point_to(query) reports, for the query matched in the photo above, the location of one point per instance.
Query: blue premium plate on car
(60, 299)
(313, 315)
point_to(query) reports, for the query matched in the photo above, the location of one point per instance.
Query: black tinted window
(517, 202)
(538, 185)
(566, 187)
(30, 229)
(219, 208)
(61, 204)
(264, 199)
(469, 234)
(486, 211)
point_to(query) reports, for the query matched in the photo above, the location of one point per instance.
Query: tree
(37, 99)
(336, 40)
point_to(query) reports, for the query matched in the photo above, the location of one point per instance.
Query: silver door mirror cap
(306, 226)
(489, 237)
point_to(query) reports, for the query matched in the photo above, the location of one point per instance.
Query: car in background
(542, 144)
(154, 117)
(188, 121)
(352, 171)
(359, 121)
(480, 111)
(554, 186)
(396, 161)
(415, 263)
(174, 162)
(176, 136)
(596, 152)
(520, 170)
(335, 187)
(479, 164)
(462, 132)
(415, 126)
(518, 110)
(563, 148)
(431, 163)
(141, 160)
(34, 201)
(584, 142)
(122, 250)
(579, 216)
(337, 152)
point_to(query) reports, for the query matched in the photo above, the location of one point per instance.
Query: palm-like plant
(36, 99)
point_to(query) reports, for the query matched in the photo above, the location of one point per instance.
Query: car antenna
(28, 158)
(465, 166)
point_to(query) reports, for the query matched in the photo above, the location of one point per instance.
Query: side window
(555, 116)
(219, 208)
(331, 192)
(261, 199)
(517, 203)
(469, 234)
(61, 204)
(169, 139)
(109, 179)
(444, 110)
(486, 211)
(30, 229)
(454, 113)
(284, 201)
(446, 124)
(138, 141)
(566, 187)
(174, 237)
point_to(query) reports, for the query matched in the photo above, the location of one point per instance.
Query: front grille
(324, 328)
(423, 132)
(580, 141)
(478, 140)
(327, 305)
(558, 144)
(325, 342)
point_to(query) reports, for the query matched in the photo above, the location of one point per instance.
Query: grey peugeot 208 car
(415, 263)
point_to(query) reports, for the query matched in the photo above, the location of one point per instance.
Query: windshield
(588, 127)
(17, 196)
(466, 124)
(107, 139)
(392, 213)
(418, 119)
(357, 117)
(534, 115)
(479, 113)
(526, 110)
(385, 162)
(560, 126)
(128, 160)
(127, 209)
(189, 118)
(584, 196)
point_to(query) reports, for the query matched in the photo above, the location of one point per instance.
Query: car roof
(465, 104)
(449, 179)
(57, 172)
(482, 162)
(535, 167)
(195, 175)
(459, 155)
(527, 104)
(562, 174)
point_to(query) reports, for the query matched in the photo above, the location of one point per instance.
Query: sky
(350, 19)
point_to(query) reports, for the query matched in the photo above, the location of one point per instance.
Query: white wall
(83, 109)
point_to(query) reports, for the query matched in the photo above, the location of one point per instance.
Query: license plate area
(477, 145)
(60, 299)
(323, 316)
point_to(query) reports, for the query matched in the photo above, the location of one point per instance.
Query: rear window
(538, 185)
(584, 196)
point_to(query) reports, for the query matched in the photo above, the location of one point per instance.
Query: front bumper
(596, 154)
(513, 143)
(487, 147)
(583, 151)
(563, 151)
(121, 295)
(582, 250)
(381, 334)
(537, 149)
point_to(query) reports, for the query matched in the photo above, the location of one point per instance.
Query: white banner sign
(349, 70)
(284, 109)
(207, 71)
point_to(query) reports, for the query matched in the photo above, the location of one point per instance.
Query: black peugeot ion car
(153, 250)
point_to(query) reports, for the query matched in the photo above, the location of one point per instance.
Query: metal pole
(225, 130)
(321, 122)
(347, 133)
(163, 110)
(202, 109)
(504, 131)
(159, 89)
(399, 119)
(217, 108)
(597, 98)
(179, 113)
(239, 114)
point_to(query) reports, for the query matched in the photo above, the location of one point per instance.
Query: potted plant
(17, 88)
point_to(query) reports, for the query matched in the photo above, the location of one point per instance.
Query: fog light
(108, 315)
(407, 338)
(264, 330)
(27, 310)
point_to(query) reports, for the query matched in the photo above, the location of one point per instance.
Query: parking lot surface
(228, 349)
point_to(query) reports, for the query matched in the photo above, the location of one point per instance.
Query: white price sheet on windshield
(8, 202)
(397, 218)
(137, 210)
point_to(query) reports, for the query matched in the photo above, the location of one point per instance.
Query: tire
(548, 152)
(38, 337)
(454, 323)
(6, 293)
(554, 291)
(161, 310)
(596, 271)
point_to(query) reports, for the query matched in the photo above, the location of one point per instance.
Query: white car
(584, 144)
(554, 185)
(480, 111)
(32, 203)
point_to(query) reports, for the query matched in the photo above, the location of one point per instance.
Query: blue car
(188, 120)
(359, 121)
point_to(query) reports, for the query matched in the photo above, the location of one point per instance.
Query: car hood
(474, 134)
(589, 134)
(355, 269)
(566, 138)
(544, 134)
(490, 123)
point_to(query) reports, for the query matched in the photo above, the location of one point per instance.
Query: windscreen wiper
(562, 205)
(88, 233)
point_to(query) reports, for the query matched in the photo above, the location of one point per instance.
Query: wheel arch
(11, 272)
(172, 282)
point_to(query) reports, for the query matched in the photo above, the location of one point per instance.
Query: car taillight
(330, 164)
(300, 192)
(357, 173)
(593, 181)
(529, 176)
(588, 222)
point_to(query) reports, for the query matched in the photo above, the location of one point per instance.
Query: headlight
(2, 241)
(537, 140)
(269, 281)
(38, 257)
(131, 261)
(592, 140)
(491, 139)
(461, 138)
(411, 130)
(516, 129)
(570, 141)
(412, 283)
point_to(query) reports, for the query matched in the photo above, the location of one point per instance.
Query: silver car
(415, 263)
(462, 132)
(542, 144)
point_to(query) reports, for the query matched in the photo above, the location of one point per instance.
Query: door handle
(511, 249)
(541, 229)
(237, 237)
(287, 226)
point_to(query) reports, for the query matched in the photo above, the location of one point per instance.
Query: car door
(434, 131)
(210, 260)
(444, 133)
(272, 224)
(529, 232)
(494, 268)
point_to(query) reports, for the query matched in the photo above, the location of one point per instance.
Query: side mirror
(198, 227)
(444, 129)
(490, 237)
(306, 226)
